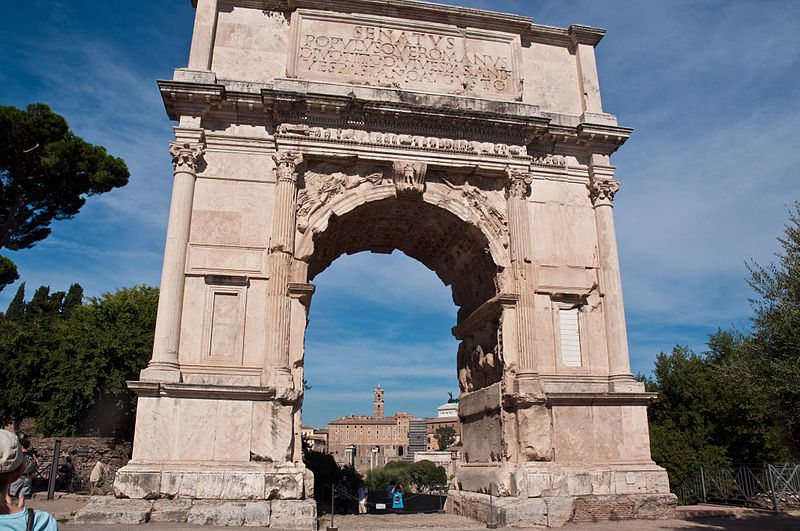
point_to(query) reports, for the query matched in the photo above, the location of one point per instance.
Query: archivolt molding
(332, 188)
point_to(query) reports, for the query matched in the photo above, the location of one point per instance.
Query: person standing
(22, 487)
(363, 494)
(397, 497)
(13, 517)
(67, 472)
(96, 477)
(389, 492)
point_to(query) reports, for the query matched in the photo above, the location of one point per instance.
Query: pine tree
(73, 299)
(16, 309)
(774, 348)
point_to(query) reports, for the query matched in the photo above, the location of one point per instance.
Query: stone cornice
(600, 399)
(482, 317)
(215, 392)
(375, 108)
(574, 35)
(442, 14)
(601, 138)
(579, 34)
(409, 9)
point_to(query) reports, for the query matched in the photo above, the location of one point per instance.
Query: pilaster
(205, 28)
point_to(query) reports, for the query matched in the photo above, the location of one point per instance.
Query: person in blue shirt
(15, 518)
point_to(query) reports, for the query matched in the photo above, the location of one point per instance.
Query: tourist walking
(13, 517)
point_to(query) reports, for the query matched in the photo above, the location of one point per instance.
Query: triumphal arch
(474, 142)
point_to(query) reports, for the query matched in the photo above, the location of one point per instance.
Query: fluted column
(519, 229)
(601, 190)
(164, 364)
(277, 371)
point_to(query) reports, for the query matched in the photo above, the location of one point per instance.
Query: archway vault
(455, 249)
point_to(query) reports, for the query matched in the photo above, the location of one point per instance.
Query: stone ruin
(472, 141)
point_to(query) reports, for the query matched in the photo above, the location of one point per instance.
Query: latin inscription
(394, 57)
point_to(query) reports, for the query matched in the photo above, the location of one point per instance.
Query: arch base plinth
(556, 511)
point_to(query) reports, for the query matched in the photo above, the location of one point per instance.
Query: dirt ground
(698, 517)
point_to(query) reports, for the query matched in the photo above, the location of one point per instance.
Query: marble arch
(473, 141)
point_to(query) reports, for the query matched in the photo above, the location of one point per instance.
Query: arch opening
(457, 251)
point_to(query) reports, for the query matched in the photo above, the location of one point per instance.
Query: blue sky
(711, 89)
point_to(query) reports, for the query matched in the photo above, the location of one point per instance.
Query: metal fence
(766, 486)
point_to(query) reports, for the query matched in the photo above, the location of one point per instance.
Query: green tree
(8, 272)
(73, 299)
(682, 418)
(45, 304)
(426, 474)
(327, 472)
(394, 471)
(105, 342)
(445, 437)
(67, 366)
(16, 309)
(706, 413)
(46, 173)
(773, 351)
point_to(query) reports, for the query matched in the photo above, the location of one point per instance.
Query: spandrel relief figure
(485, 207)
(323, 181)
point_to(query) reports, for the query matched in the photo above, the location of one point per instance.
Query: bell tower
(378, 402)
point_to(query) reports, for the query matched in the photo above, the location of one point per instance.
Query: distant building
(447, 416)
(370, 442)
(316, 440)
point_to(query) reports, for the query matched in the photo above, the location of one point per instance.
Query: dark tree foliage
(16, 309)
(43, 304)
(445, 437)
(46, 172)
(704, 415)
(772, 355)
(68, 362)
(426, 474)
(73, 299)
(8, 272)
(327, 473)
(394, 471)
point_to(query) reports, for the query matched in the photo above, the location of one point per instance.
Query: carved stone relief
(479, 361)
(548, 159)
(377, 138)
(409, 178)
(542, 154)
(323, 181)
(486, 203)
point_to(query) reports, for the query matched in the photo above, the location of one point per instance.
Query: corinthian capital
(518, 182)
(601, 191)
(286, 164)
(186, 155)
